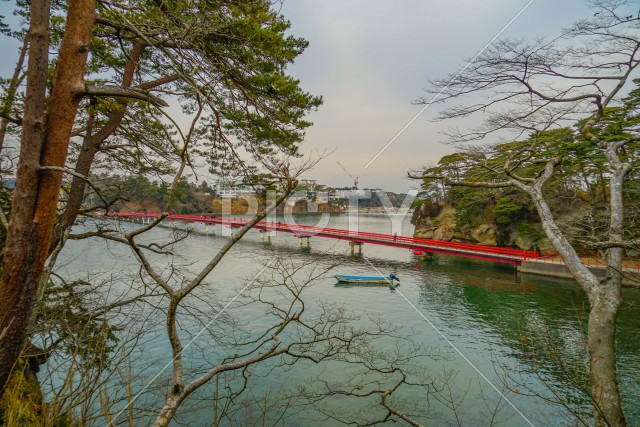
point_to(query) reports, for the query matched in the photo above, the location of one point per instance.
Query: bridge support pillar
(353, 247)
(302, 237)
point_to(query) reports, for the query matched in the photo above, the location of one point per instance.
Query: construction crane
(355, 180)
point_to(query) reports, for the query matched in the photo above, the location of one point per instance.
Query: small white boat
(388, 280)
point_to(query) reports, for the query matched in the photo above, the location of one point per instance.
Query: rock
(447, 218)
(424, 233)
(523, 242)
(463, 234)
(443, 233)
(485, 234)
(328, 208)
(440, 228)
(445, 223)
(545, 246)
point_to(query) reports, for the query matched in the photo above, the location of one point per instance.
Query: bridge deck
(466, 250)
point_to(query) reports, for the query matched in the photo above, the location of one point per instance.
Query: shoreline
(542, 267)
(549, 267)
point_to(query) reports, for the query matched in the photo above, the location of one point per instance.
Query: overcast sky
(370, 59)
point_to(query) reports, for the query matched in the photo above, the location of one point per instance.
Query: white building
(232, 189)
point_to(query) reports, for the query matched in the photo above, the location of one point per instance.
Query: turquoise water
(516, 330)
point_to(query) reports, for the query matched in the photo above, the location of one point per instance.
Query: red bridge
(466, 250)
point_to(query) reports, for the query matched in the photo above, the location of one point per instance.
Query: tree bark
(604, 300)
(43, 144)
(585, 278)
(605, 392)
(125, 92)
(168, 410)
(93, 141)
(90, 147)
(16, 296)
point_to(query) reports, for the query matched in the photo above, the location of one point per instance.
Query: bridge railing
(420, 243)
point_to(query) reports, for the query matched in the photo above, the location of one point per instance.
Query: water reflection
(504, 323)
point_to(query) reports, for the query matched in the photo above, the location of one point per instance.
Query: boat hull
(386, 280)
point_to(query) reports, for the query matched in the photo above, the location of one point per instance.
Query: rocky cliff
(444, 226)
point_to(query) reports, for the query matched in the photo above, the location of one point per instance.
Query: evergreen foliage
(579, 190)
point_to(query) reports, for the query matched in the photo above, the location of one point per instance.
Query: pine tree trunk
(16, 293)
(90, 147)
(45, 141)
